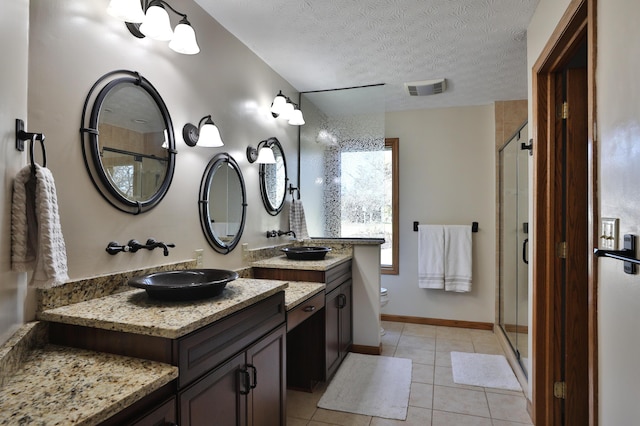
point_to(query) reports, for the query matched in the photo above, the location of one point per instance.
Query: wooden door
(564, 374)
(266, 361)
(575, 272)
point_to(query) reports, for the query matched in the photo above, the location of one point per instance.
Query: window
(369, 198)
(389, 251)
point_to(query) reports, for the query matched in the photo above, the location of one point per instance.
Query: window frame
(393, 145)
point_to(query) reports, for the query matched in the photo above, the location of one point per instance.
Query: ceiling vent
(426, 87)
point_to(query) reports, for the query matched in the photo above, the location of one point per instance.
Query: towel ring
(34, 137)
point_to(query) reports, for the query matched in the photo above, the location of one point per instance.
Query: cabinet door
(346, 318)
(266, 361)
(216, 399)
(164, 415)
(332, 332)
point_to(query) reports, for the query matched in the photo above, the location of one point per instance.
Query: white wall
(618, 124)
(72, 43)
(618, 100)
(13, 92)
(447, 176)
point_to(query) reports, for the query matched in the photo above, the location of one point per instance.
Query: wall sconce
(149, 18)
(205, 135)
(262, 154)
(282, 107)
(296, 118)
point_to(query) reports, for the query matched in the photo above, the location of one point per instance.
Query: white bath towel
(37, 243)
(431, 256)
(458, 255)
(297, 221)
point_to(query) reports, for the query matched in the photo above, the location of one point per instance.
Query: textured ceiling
(479, 46)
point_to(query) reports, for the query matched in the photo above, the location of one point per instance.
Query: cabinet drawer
(304, 310)
(204, 349)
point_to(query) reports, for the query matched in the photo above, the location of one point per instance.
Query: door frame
(578, 19)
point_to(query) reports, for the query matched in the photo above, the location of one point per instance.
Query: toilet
(384, 299)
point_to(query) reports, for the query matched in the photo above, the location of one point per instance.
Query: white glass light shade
(184, 39)
(278, 103)
(265, 156)
(296, 118)
(286, 111)
(209, 136)
(126, 10)
(156, 24)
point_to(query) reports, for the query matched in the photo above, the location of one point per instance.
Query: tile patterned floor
(435, 399)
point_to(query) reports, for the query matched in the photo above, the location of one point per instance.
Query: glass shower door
(514, 244)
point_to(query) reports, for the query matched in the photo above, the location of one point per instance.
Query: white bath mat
(489, 371)
(370, 385)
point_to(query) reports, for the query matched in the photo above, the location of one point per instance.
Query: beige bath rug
(489, 371)
(371, 385)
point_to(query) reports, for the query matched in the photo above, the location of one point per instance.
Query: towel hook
(291, 189)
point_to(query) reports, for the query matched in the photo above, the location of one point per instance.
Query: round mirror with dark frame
(273, 179)
(128, 143)
(222, 203)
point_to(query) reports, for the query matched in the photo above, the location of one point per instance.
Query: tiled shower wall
(510, 115)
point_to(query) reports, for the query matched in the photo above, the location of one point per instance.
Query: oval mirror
(223, 205)
(128, 141)
(273, 179)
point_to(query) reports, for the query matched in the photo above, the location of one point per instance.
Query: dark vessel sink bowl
(306, 252)
(188, 284)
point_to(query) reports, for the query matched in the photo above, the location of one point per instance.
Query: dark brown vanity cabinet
(249, 389)
(338, 326)
(232, 371)
(336, 331)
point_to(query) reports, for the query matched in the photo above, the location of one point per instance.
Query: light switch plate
(609, 233)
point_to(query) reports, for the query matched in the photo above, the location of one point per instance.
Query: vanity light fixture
(278, 104)
(149, 18)
(282, 107)
(296, 118)
(205, 135)
(262, 154)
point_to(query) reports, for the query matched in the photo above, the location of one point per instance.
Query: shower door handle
(524, 251)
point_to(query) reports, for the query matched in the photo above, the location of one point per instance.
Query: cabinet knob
(309, 308)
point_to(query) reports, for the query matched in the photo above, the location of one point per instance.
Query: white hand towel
(297, 221)
(431, 256)
(36, 236)
(457, 265)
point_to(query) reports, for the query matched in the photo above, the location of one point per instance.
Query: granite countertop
(133, 311)
(282, 262)
(56, 385)
(299, 291)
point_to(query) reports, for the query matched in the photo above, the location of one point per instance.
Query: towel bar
(474, 226)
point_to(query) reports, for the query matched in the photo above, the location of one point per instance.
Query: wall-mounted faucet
(134, 245)
(274, 233)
